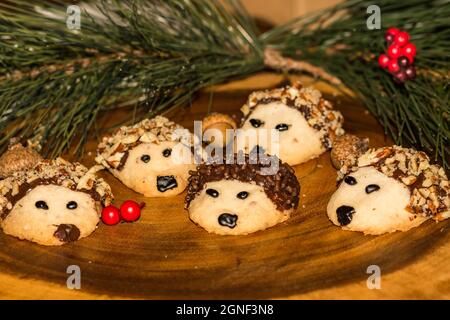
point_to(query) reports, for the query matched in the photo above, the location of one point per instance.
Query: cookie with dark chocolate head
(306, 123)
(152, 157)
(239, 197)
(53, 203)
(389, 189)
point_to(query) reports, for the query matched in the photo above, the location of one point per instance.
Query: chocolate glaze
(305, 111)
(282, 188)
(72, 205)
(126, 154)
(372, 188)
(256, 123)
(164, 183)
(345, 215)
(228, 220)
(282, 127)
(41, 205)
(267, 100)
(67, 233)
(350, 180)
(167, 152)
(212, 192)
(145, 158)
(123, 161)
(326, 142)
(242, 195)
(290, 102)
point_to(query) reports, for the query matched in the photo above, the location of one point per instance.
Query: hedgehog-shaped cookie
(152, 157)
(307, 123)
(238, 198)
(52, 203)
(389, 189)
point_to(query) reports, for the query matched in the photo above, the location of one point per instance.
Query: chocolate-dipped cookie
(307, 124)
(152, 157)
(389, 189)
(53, 203)
(237, 199)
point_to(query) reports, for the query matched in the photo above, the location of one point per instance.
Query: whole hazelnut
(347, 149)
(18, 158)
(223, 126)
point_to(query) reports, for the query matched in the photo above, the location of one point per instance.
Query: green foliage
(151, 54)
(416, 113)
(154, 55)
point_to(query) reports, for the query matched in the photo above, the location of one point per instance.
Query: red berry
(409, 50)
(393, 66)
(401, 38)
(130, 211)
(392, 31)
(394, 51)
(110, 215)
(389, 38)
(400, 77)
(410, 58)
(403, 62)
(410, 72)
(383, 60)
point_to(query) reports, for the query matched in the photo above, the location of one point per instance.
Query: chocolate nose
(164, 183)
(345, 215)
(67, 233)
(228, 220)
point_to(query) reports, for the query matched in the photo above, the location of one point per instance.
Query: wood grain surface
(164, 255)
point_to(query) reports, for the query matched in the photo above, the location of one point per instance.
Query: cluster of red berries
(129, 211)
(400, 55)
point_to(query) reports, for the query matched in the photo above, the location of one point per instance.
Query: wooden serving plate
(165, 255)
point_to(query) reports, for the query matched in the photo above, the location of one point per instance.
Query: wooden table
(164, 255)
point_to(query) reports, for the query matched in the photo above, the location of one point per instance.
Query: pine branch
(416, 113)
(156, 54)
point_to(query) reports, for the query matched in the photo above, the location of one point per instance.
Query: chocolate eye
(256, 123)
(212, 192)
(372, 188)
(242, 195)
(350, 180)
(41, 205)
(145, 158)
(282, 127)
(167, 152)
(72, 205)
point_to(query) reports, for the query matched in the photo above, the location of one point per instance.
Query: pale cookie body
(222, 211)
(293, 122)
(37, 216)
(152, 157)
(238, 194)
(297, 144)
(157, 170)
(53, 203)
(389, 189)
(371, 202)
